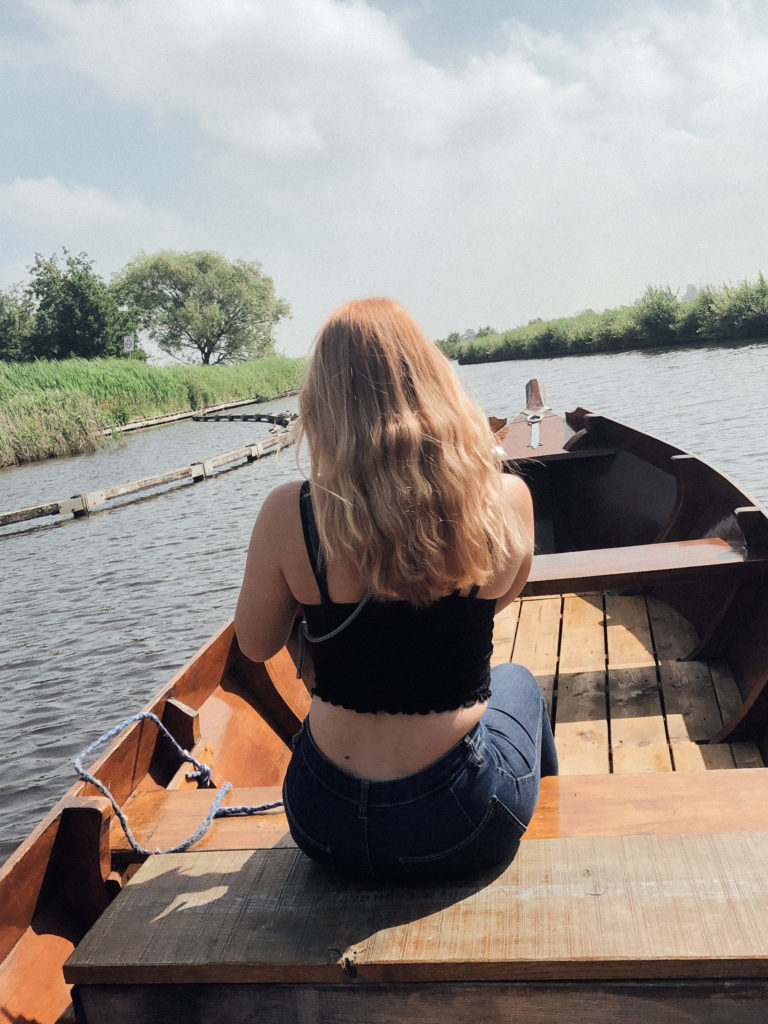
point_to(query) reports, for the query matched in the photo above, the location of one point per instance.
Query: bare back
(375, 746)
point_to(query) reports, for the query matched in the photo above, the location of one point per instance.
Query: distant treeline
(62, 407)
(717, 316)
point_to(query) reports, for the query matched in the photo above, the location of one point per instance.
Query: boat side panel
(594, 1002)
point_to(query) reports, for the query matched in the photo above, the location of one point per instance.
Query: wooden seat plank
(613, 908)
(581, 727)
(568, 807)
(673, 803)
(160, 819)
(639, 564)
(638, 732)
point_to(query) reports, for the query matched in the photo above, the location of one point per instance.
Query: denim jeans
(465, 812)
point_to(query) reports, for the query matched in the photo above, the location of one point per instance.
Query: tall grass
(62, 407)
(729, 315)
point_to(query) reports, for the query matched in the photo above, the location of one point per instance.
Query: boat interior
(644, 623)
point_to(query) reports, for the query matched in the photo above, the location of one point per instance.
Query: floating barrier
(190, 414)
(82, 504)
(281, 419)
(170, 417)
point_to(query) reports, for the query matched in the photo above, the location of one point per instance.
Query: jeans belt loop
(362, 806)
(478, 757)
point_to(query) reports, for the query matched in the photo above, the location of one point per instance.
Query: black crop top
(389, 655)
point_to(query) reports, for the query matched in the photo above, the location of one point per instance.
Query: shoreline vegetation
(730, 315)
(62, 407)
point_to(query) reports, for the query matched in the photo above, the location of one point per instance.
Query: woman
(416, 761)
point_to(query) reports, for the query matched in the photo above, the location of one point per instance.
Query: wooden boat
(640, 893)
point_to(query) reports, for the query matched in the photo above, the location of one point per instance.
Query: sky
(483, 163)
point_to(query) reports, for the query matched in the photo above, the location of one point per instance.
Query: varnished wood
(162, 819)
(642, 564)
(568, 807)
(746, 644)
(665, 803)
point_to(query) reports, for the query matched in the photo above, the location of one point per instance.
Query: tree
(201, 303)
(16, 319)
(75, 313)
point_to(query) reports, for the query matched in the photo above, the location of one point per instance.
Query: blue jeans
(466, 812)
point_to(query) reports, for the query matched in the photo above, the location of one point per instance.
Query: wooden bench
(569, 807)
(622, 568)
(648, 917)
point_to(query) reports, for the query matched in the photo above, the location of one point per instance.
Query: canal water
(97, 613)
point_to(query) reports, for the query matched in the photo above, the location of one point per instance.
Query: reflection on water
(98, 613)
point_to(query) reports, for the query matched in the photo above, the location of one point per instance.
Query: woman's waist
(382, 746)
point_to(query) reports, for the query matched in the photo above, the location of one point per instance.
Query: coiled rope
(202, 774)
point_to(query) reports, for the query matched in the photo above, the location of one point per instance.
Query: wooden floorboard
(537, 641)
(581, 720)
(622, 698)
(504, 630)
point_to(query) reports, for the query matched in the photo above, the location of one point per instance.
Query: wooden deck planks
(504, 630)
(746, 754)
(537, 641)
(638, 733)
(581, 724)
(690, 701)
(659, 709)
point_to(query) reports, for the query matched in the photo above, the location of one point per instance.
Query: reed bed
(50, 408)
(730, 315)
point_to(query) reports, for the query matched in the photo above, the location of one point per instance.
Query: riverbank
(727, 316)
(67, 407)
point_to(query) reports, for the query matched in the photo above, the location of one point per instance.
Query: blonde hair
(406, 485)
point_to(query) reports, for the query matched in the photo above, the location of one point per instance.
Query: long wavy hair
(406, 484)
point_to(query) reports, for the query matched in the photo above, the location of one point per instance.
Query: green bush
(658, 319)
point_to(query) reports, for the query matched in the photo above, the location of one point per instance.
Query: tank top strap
(312, 541)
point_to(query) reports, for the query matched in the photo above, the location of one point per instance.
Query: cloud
(551, 173)
(46, 213)
(33, 202)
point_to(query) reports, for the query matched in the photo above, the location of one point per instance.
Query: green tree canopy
(75, 313)
(16, 320)
(201, 304)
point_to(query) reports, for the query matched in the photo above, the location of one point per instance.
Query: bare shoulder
(283, 497)
(280, 506)
(516, 492)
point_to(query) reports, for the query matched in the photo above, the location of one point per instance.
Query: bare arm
(517, 493)
(266, 607)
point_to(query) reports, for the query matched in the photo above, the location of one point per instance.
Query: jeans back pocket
(494, 841)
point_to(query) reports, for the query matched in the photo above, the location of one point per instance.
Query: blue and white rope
(202, 773)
